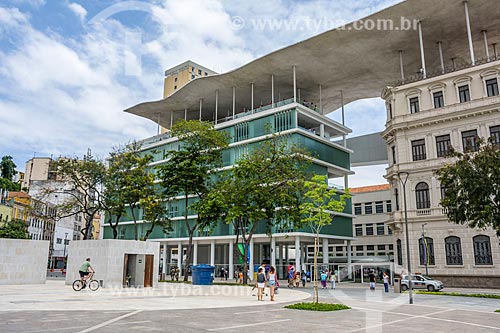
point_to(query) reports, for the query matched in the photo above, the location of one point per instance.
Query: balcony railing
(450, 69)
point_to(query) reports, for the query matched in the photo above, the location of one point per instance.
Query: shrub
(317, 307)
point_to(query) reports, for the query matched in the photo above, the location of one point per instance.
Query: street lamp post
(403, 178)
(424, 246)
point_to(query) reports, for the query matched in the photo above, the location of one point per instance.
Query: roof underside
(358, 62)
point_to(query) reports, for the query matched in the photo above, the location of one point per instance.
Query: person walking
(373, 279)
(272, 279)
(323, 277)
(291, 277)
(334, 278)
(386, 282)
(303, 277)
(261, 283)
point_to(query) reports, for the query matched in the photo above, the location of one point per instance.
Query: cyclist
(85, 270)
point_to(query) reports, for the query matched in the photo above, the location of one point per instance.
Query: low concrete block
(23, 261)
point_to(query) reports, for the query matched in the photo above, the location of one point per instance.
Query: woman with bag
(272, 279)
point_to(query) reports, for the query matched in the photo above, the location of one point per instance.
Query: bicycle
(92, 284)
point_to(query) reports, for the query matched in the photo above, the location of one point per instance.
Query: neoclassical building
(427, 118)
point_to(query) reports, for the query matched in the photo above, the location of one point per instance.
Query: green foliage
(16, 229)
(458, 294)
(263, 188)
(320, 203)
(7, 168)
(497, 310)
(317, 307)
(187, 170)
(9, 185)
(472, 185)
(128, 182)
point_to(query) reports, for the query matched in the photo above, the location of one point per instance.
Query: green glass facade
(241, 134)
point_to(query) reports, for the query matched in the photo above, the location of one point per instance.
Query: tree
(9, 185)
(187, 170)
(472, 187)
(262, 189)
(319, 208)
(7, 168)
(17, 229)
(128, 183)
(83, 181)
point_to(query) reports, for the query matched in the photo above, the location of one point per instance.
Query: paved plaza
(55, 307)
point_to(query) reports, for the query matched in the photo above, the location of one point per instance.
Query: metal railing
(450, 69)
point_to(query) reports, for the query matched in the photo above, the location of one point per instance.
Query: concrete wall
(107, 258)
(23, 261)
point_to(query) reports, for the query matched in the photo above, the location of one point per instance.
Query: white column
(212, 252)
(250, 264)
(322, 130)
(298, 264)
(195, 253)
(344, 138)
(273, 252)
(171, 119)
(349, 260)
(298, 93)
(164, 270)
(441, 58)
(231, 256)
(325, 251)
(179, 254)
(422, 51)
(469, 33)
(495, 50)
(320, 100)
(201, 105)
(216, 105)
(294, 84)
(185, 113)
(401, 65)
(261, 250)
(272, 89)
(485, 36)
(252, 98)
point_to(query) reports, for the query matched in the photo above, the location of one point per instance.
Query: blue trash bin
(203, 275)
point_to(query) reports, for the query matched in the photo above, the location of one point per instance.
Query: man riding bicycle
(85, 270)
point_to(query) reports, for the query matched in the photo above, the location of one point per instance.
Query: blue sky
(68, 68)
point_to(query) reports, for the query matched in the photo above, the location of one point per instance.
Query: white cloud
(78, 10)
(60, 95)
(368, 175)
(33, 3)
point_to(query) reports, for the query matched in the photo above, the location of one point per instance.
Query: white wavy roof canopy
(358, 62)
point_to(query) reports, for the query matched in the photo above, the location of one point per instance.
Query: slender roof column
(185, 114)
(294, 84)
(401, 65)
(272, 89)
(485, 36)
(320, 100)
(216, 105)
(252, 98)
(344, 138)
(171, 119)
(441, 58)
(234, 101)
(495, 49)
(469, 33)
(422, 51)
(201, 105)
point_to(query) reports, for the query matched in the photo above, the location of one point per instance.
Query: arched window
(399, 252)
(426, 250)
(482, 250)
(453, 250)
(422, 196)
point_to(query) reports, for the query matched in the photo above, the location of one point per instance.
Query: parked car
(421, 282)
